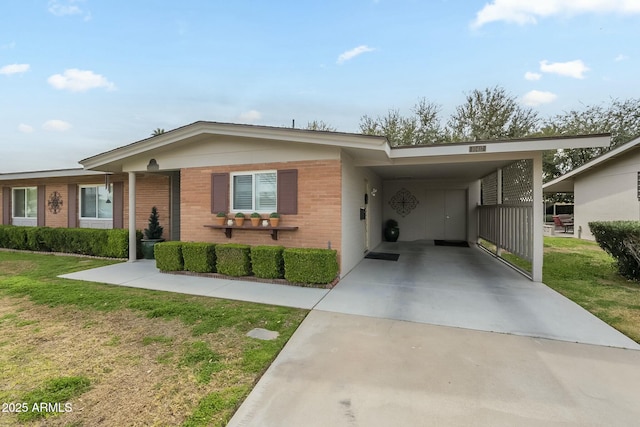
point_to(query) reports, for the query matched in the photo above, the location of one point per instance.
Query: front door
(446, 214)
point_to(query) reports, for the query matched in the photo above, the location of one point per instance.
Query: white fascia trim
(488, 147)
(61, 173)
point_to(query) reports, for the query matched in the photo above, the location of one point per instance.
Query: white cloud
(79, 80)
(25, 128)
(532, 76)
(14, 69)
(621, 57)
(67, 8)
(350, 54)
(537, 97)
(56, 125)
(251, 116)
(527, 12)
(575, 69)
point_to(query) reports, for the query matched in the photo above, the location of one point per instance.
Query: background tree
(423, 127)
(489, 114)
(620, 118)
(157, 131)
(320, 125)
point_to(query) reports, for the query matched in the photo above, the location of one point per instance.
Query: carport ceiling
(467, 171)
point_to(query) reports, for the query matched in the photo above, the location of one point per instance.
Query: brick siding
(319, 206)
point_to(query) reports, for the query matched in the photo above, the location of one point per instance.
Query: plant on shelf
(274, 218)
(391, 230)
(255, 219)
(152, 234)
(239, 219)
(220, 218)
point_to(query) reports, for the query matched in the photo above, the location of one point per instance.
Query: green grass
(57, 390)
(225, 379)
(584, 273)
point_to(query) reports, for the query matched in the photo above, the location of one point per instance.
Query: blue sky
(78, 77)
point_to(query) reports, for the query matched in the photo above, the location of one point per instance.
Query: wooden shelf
(228, 229)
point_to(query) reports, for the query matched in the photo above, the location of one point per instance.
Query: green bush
(267, 262)
(113, 243)
(621, 239)
(304, 265)
(199, 257)
(233, 259)
(169, 256)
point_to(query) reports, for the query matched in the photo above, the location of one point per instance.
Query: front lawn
(584, 273)
(98, 354)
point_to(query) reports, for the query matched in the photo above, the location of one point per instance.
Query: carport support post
(132, 217)
(538, 223)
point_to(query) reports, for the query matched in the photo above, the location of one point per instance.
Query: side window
(95, 202)
(25, 202)
(254, 191)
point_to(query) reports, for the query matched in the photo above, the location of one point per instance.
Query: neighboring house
(605, 189)
(335, 189)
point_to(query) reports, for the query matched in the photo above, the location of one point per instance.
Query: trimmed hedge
(112, 243)
(233, 259)
(199, 257)
(267, 262)
(169, 256)
(305, 265)
(621, 239)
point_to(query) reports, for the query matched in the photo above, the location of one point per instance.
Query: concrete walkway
(144, 274)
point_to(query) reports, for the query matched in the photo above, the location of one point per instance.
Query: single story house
(331, 189)
(605, 189)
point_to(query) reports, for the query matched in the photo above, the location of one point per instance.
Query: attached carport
(495, 185)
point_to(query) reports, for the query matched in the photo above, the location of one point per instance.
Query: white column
(538, 223)
(132, 217)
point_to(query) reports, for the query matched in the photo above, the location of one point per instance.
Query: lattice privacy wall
(489, 186)
(517, 183)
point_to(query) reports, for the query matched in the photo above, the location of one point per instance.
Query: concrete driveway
(412, 343)
(465, 288)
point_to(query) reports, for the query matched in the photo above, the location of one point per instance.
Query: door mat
(383, 255)
(458, 243)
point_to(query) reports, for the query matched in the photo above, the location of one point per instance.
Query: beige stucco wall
(416, 225)
(354, 183)
(607, 193)
(223, 151)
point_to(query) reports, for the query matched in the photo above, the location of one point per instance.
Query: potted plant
(220, 218)
(239, 219)
(391, 230)
(255, 219)
(274, 218)
(152, 235)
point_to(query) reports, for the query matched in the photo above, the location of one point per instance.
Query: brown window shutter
(6, 205)
(72, 206)
(219, 192)
(42, 205)
(288, 191)
(117, 200)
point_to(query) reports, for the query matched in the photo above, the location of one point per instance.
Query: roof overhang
(58, 173)
(111, 160)
(565, 183)
(469, 161)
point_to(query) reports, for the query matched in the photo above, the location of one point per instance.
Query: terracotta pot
(255, 221)
(219, 220)
(274, 221)
(239, 221)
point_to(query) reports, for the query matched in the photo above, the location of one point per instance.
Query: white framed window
(254, 191)
(95, 202)
(25, 202)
